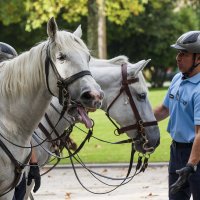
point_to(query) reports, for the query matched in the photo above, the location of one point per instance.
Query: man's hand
(184, 174)
(34, 173)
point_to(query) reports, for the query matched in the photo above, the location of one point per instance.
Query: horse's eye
(62, 57)
(141, 96)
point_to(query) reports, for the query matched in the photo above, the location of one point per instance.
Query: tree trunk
(102, 43)
(92, 27)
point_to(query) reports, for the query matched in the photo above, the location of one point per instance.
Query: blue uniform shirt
(183, 102)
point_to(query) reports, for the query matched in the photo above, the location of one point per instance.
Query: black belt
(182, 145)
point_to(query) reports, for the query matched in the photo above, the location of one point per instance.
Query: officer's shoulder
(177, 76)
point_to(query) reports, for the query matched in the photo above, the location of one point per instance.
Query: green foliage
(119, 11)
(150, 35)
(11, 11)
(146, 35)
(40, 11)
(15, 35)
(187, 20)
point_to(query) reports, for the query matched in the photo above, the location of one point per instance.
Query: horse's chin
(91, 109)
(152, 140)
(141, 148)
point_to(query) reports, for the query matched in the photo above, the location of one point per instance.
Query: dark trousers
(20, 190)
(179, 155)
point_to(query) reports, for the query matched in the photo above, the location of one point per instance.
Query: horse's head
(67, 65)
(127, 103)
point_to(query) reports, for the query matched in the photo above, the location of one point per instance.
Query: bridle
(61, 83)
(139, 125)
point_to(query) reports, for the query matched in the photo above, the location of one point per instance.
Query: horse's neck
(52, 114)
(21, 114)
(24, 117)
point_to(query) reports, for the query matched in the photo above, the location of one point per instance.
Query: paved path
(61, 184)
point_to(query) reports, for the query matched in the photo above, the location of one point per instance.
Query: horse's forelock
(71, 41)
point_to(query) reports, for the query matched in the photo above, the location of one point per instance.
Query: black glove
(184, 174)
(34, 173)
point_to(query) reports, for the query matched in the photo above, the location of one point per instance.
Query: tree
(38, 12)
(92, 30)
(102, 40)
(11, 11)
(150, 34)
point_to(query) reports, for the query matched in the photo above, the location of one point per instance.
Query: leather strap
(18, 167)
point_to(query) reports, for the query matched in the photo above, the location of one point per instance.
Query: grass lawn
(98, 152)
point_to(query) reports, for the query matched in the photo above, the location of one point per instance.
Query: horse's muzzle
(92, 99)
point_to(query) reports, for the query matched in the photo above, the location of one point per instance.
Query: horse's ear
(135, 68)
(78, 32)
(52, 28)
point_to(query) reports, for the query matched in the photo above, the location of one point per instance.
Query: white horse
(58, 66)
(108, 75)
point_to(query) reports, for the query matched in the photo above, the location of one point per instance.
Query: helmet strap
(186, 74)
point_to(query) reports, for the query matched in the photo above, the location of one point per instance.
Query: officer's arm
(161, 112)
(195, 153)
(33, 156)
(34, 172)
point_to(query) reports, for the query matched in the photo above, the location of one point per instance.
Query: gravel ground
(61, 184)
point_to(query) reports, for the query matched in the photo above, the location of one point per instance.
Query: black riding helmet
(189, 42)
(6, 52)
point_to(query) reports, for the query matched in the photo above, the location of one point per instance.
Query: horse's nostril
(86, 95)
(101, 95)
(158, 143)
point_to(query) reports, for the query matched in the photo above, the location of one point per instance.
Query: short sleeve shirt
(183, 102)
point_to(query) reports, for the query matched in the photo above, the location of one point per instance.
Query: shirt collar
(194, 79)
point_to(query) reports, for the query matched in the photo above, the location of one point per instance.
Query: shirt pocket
(183, 102)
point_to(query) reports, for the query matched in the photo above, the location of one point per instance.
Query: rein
(18, 167)
(139, 125)
(140, 167)
(61, 138)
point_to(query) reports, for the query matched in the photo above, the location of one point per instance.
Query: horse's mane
(118, 60)
(21, 74)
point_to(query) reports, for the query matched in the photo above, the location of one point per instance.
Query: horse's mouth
(80, 114)
(83, 117)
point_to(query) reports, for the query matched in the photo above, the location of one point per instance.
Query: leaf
(68, 195)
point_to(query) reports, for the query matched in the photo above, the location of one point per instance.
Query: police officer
(182, 105)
